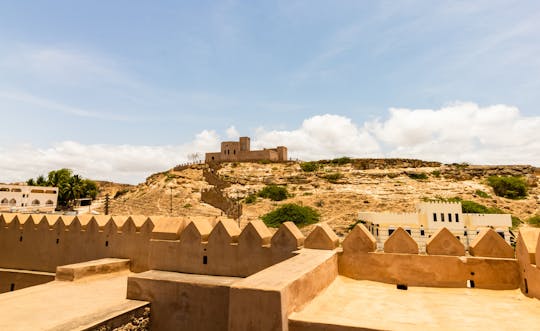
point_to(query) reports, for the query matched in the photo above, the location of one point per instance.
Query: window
(35, 203)
(4, 201)
(449, 217)
(49, 203)
(408, 231)
(390, 231)
(457, 217)
(442, 217)
(501, 234)
(434, 217)
(12, 202)
(422, 232)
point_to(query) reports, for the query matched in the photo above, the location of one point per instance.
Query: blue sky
(126, 75)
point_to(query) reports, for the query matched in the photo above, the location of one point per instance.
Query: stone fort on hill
(240, 151)
(100, 272)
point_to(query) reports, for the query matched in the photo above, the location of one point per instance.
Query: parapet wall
(223, 250)
(218, 247)
(491, 263)
(43, 242)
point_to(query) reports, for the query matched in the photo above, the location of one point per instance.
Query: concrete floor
(61, 305)
(365, 304)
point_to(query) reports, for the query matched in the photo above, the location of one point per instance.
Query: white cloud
(321, 136)
(120, 163)
(232, 133)
(461, 132)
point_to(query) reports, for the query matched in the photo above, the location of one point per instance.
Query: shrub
(120, 193)
(341, 160)
(188, 205)
(482, 194)
(332, 178)
(265, 161)
(417, 175)
(274, 193)
(299, 215)
(515, 222)
(309, 166)
(511, 187)
(250, 198)
(472, 207)
(534, 221)
(436, 173)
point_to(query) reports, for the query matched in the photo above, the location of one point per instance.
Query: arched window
(49, 203)
(35, 203)
(12, 202)
(4, 201)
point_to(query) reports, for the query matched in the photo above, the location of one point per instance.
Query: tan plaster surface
(66, 305)
(372, 305)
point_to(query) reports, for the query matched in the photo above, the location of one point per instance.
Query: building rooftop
(378, 306)
(61, 305)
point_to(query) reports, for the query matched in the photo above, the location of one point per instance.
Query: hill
(337, 189)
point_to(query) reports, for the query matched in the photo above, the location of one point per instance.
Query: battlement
(217, 246)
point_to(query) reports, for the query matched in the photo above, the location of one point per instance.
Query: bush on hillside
(417, 176)
(334, 177)
(511, 187)
(341, 160)
(299, 215)
(482, 194)
(309, 166)
(534, 221)
(274, 193)
(250, 198)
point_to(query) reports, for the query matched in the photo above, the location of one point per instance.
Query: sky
(118, 90)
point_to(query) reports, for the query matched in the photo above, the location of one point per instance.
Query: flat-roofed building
(430, 217)
(21, 198)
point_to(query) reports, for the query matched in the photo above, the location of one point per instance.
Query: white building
(430, 217)
(23, 198)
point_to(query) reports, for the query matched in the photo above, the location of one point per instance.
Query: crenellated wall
(218, 247)
(43, 242)
(223, 250)
(491, 263)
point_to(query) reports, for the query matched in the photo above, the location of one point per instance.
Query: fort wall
(240, 151)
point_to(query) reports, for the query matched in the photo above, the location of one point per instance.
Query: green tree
(299, 215)
(70, 186)
(274, 193)
(511, 187)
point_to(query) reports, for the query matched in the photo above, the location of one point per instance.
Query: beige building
(432, 216)
(238, 151)
(22, 198)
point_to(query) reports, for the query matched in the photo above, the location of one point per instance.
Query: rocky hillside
(337, 191)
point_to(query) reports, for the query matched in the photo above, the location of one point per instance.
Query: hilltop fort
(240, 151)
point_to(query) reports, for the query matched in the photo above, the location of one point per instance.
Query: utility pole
(107, 204)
